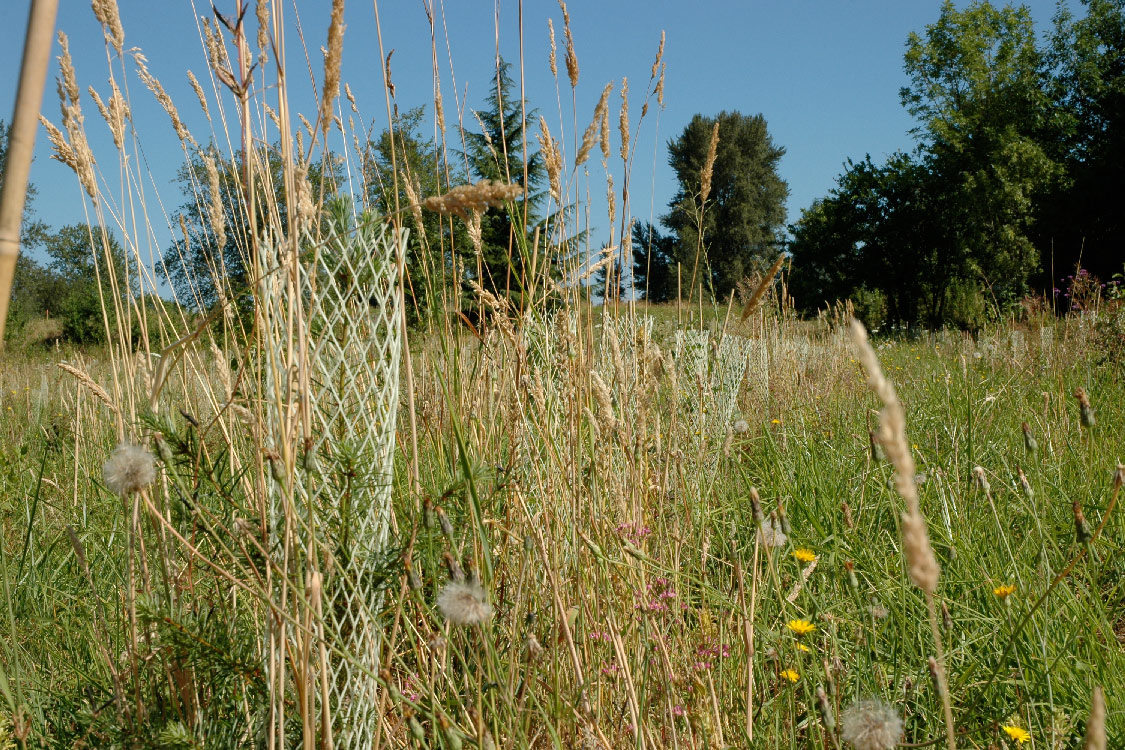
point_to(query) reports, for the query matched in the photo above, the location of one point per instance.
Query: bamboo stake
(21, 142)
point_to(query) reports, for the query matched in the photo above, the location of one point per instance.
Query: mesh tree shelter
(333, 333)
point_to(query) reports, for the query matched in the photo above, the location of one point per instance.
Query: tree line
(1015, 180)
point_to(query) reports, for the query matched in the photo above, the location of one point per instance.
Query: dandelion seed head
(770, 533)
(130, 468)
(464, 604)
(871, 725)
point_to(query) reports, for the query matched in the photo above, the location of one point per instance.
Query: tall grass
(610, 526)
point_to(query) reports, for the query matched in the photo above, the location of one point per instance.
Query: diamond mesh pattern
(348, 293)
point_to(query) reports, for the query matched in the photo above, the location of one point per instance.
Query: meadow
(650, 536)
(309, 522)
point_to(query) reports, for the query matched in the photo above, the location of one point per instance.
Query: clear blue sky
(824, 73)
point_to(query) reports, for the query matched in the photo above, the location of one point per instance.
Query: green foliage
(201, 273)
(961, 220)
(417, 159)
(870, 307)
(85, 270)
(497, 153)
(743, 220)
(1082, 221)
(654, 263)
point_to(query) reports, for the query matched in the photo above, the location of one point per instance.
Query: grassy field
(596, 478)
(291, 520)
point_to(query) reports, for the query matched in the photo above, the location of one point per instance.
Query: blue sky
(824, 73)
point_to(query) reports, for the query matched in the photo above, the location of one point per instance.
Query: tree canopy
(740, 226)
(1018, 149)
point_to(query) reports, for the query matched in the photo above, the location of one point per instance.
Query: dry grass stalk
(603, 139)
(439, 108)
(62, 150)
(199, 94)
(415, 206)
(73, 150)
(921, 562)
(623, 119)
(1095, 725)
(465, 199)
(590, 136)
(552, 159)
(308, 126)
(709, 165)
(659, 56)
(69, 82)
(262, 13)
(660, 85)
(215, 210)
(114, 113)
(553, 58)
(305, 206)
(611, 199)
(332, 63)
(107, 14)
(571, 58)
(272, 115)
(351, 97)
(83, 378)
(760, 292)
(608, 255)
(472, 223)
(162, 96)
(213, 41)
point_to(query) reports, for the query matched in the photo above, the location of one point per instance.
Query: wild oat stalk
(921, 562)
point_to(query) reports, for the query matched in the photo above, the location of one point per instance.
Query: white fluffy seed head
(130, 468)
(871, 725)
(770, 532)
(464, 604)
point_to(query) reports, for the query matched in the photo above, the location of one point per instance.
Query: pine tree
(497, 153)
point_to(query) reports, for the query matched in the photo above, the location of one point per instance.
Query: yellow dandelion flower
(792, 676)
(1004, 591)
(1016, 733)
(804, 555)
(775, 421)
(801, 627)
(803, 647)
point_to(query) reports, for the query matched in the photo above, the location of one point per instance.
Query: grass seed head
(1095, 725)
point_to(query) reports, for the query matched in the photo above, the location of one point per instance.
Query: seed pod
(1085, 410)
(934, 675)
(876, 449)
(784, 519)
(454, 567)
(756, 506)
(1081, 528)
(981, 479)
(847, 510)
(853, 582)
(411, 574)
(1029, 443)
(946, 618)
(825, 709)
(443, 520)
